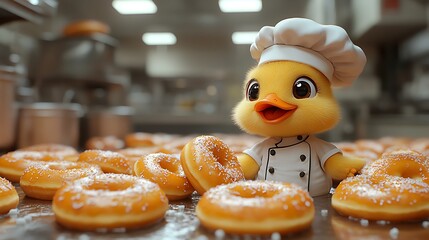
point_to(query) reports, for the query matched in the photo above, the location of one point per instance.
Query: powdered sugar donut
(394, 188)
(256, 207)
(110, 162)
(208, 162)
(43, 180)
(8, 196)
(109, 201)
(165, 170)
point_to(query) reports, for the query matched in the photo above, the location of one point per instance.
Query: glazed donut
(393, 188)
(42, 181)
(166, 171)
(110, 162)
(403, 163)
(142, 151)
(13, 164)
(109, 201)
(256, 207)
(384, 197)
(60, 151)
(421, 145)
(139, 139)
(8, 196)
(352, 150)
(208, 162)
(371, 145)
(110, 143)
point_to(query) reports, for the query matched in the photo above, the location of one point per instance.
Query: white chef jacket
(298, 160)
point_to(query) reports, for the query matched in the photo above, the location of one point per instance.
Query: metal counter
(35, 220)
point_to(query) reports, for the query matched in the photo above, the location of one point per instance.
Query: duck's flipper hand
(248, 165)
(340, 167)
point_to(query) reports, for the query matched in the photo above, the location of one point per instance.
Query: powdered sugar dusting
(258, 194)
(215, 157)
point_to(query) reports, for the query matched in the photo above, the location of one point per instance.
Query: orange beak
(274, 110)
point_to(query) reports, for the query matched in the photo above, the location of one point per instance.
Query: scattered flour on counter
(84, 237)
(394, 233)
(13, 212)
(364, 222)
(324, 212)
(219, 234)
(276, 236)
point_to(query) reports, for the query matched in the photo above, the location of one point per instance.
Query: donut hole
(169, 165)
(252, 192)
(63, 166)
(111, 186)
(223, 155)
(408, 169)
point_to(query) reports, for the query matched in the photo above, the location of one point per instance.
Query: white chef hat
(327, 48)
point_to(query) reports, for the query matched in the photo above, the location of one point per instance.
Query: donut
(208, 162)
(85, 27)
(110, 162)
(421, 145)
(371, 145)
(165, 170)
(13, 164)
(353, 150)
(393, 188)
(42, 181)
(394, 141)
(404, 163)
(109, 201)
(142, 151)
(387, 197)
(8, 196)
(139, 139)
(142, 139)
(110, 143)
(60, 151)
(256, 207)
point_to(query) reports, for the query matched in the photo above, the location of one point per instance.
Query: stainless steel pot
(49, 123)
(7, 107)
(113, 121)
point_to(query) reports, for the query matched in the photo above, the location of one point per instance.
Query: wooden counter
(35, 220)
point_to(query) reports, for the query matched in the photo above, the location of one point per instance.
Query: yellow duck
(288, 99)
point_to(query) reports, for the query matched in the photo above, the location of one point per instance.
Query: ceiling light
(243, 37)
(160, 38)
(134, 6)
(240, 5)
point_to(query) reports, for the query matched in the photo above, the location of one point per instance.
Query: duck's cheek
(317, 116)
(246, 118)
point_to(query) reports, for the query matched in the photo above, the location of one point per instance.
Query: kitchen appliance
(45, 122)
(113, 121)
(7, 107)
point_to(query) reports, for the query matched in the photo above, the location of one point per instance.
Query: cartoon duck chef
(288, 99)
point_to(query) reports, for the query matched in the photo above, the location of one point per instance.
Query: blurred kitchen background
(110, 82)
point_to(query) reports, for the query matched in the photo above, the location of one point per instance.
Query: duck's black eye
(252, 92)
(304, 88)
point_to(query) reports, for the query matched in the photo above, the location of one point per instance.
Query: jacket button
(301, 174)
(299, 137)
(272, 152)
(302, 157)
(271, 170)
